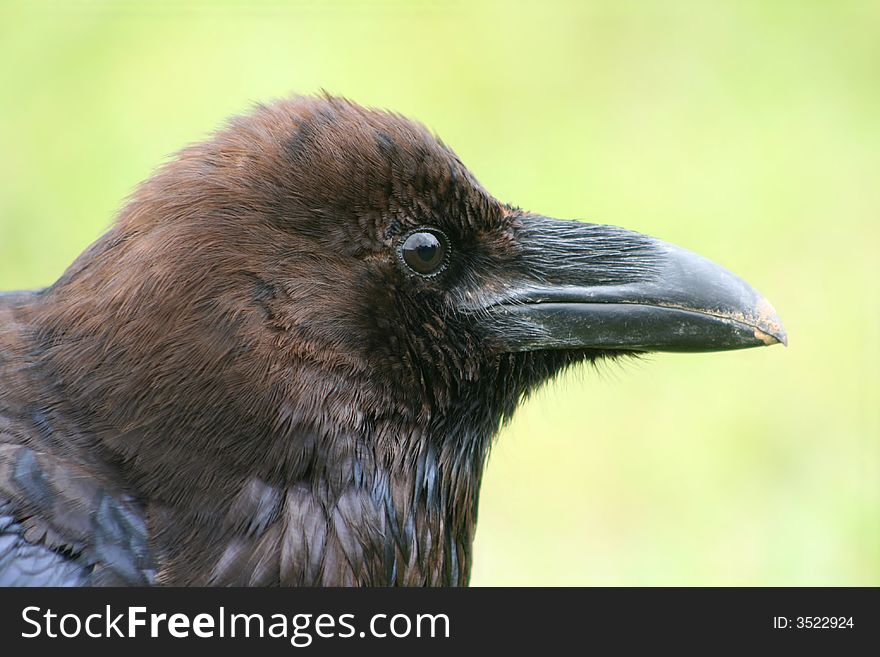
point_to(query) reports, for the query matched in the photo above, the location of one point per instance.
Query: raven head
(311, 325)
(391, 260)
(319, 263)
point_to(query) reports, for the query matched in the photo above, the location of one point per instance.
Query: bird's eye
(424, 252)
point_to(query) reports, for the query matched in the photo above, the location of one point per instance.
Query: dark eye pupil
(424, 252)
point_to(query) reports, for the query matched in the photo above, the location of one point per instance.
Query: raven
(286, 360)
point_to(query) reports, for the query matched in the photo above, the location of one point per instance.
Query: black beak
(578, 285)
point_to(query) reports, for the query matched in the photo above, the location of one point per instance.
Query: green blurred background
(748, 131)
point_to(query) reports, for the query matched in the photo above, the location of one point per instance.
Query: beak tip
(770, 330)
(769, 339)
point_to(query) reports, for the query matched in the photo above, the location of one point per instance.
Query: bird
(286, 360)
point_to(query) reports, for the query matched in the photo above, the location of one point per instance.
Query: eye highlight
(424, 251)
